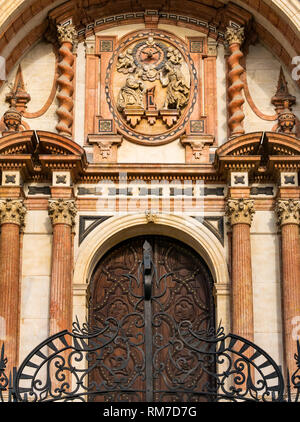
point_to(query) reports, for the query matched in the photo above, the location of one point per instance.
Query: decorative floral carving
(12, 211)
(62, 211)
(234, 35)
(240, 211)
(150, 216)
(288, 211)
(66, 33)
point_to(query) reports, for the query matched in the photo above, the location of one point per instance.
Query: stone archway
(186, 229)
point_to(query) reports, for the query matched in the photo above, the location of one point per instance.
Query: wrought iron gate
(111, 356)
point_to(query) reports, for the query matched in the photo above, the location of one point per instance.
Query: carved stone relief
(153, 86)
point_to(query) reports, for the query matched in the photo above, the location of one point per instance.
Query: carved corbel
(197, 147)
(105, 147)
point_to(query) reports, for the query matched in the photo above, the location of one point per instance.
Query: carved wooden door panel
(155, 319)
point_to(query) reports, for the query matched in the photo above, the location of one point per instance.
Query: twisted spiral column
(67, 37)
(235, 38)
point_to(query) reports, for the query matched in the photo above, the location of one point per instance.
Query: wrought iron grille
(207, 364)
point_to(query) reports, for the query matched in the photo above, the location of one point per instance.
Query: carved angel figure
(174, 56)
(132, 93)
(177, 91)
(126, 62)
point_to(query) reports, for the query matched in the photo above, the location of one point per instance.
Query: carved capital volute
(288, 211)
(240, 211)
(234, 35)
(66, 34)
(62, 211)
(12, 211)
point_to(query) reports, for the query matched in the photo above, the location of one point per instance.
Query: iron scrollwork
(149, 353)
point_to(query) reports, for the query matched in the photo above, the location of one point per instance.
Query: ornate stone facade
(146, 122)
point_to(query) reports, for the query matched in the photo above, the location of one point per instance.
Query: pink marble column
(12, 214)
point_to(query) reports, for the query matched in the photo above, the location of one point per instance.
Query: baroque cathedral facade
(149, 155)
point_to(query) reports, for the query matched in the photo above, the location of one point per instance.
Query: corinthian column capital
(66, 34)
(240, 211)
(12, 211)
(288, 211)
(62, 211)
(234, 35)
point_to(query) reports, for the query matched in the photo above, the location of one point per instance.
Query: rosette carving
(235, 37)
(12, 211)
(288, 211)
(62, 211)
(240, 211)
(67, 37)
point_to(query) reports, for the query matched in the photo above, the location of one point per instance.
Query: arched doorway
(154, 293)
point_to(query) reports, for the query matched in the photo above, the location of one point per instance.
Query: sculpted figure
(177, 91)
(126, 62)
(174, 56)
(132, 94)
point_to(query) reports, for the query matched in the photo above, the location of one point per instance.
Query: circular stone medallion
(151, 87)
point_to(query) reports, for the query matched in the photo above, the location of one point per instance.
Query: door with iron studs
(153, 294)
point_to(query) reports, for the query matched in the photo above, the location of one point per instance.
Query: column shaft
(61, 279)
(290, 289)
(9, 296)
(242, 294)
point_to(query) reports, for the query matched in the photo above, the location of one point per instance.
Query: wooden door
(154, 352)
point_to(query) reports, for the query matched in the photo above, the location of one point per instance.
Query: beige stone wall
(35, 281)
(262, 75)
(266, 284)
(38, 68)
